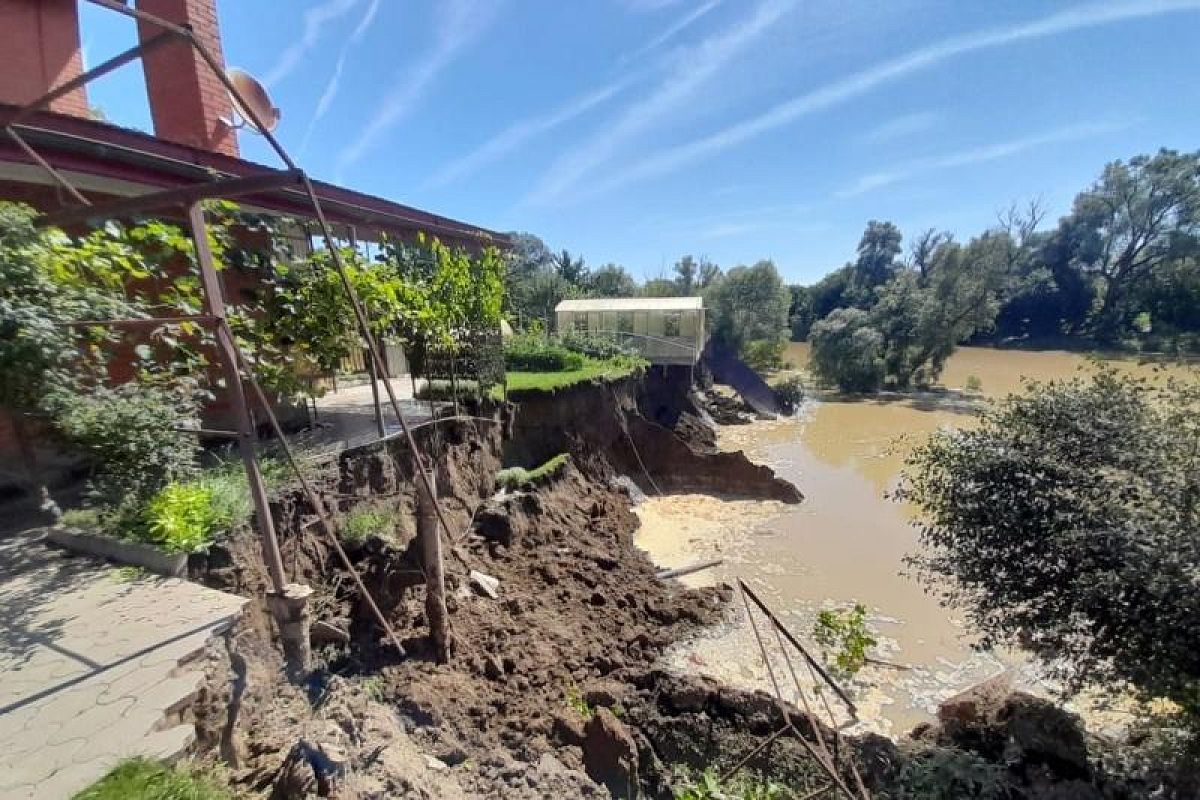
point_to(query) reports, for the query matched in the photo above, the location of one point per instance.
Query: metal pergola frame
(287, 600)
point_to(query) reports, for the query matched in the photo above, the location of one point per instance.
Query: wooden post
(286, 600)
(431, 561)
(375, 398)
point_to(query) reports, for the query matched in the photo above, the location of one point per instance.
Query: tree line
(1121, 270)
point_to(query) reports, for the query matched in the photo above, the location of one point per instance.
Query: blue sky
(635, 131)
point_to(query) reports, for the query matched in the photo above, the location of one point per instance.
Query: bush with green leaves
(181, 518)
(789, 393)
(847, 351)
(845, 638)
(363, 523)
(597, 345)
(539, 354)
(128, 433)
(708, 785)
(942, 773)
(514, 478)
(764, 355)
(1065, 521)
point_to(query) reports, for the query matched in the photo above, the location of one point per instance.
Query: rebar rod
(44, 164)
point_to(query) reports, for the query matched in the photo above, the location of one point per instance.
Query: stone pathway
(93, 666)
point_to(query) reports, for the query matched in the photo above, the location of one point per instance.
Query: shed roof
(633, 304)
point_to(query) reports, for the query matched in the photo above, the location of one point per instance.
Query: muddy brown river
(847, 541)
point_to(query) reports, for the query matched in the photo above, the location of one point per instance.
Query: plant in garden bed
(363, 523)
(143, 779)
(708, 785)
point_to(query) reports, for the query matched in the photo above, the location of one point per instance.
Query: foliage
(127, 430)
(748, 304)
(789, 393)
(1066, 521)
(595, 345)
(514, 478)
(525, 353)
(229, 491)
(592, 369)
(693, 276)
(612, 280)
(447, 391)
(847, 352)
(943, 773)
(363, 523)
(708, 785)
(180, 518)
(846, 636)
(764, 355)
(82, 518)
(577, 703)
(974, 384)
(143, 779)
(878, 260)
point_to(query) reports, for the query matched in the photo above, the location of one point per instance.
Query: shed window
(581, 323)
(625, 321)
(608, 321)
(671, 323)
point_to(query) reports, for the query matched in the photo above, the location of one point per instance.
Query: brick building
(192, 141)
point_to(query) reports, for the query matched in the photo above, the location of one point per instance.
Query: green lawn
(143, 779)
(593, 369)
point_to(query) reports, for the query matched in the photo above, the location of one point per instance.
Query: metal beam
(181, 195)
(44, 164)
(116, 62)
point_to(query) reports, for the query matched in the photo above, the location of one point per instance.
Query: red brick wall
(39, 40)
(187, 100)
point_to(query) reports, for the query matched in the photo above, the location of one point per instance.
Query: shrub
(82, 518)
(942, 773)
(181, 518)
(596, 345)
(536, 354)
(444, 390)
(789, 393)
(973, 384)
(845, 636)
(764, 355)
(708, 785)
(1066, 521)
(128, 433)
(847, 352)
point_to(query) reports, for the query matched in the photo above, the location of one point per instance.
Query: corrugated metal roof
(632, 304)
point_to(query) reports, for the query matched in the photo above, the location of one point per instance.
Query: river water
(846, 542)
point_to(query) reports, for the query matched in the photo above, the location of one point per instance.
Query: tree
(660, 287)
(847, 351)
(693, 276)
(749, 304)
(1066, 521)
(1134, 219)
(878, 252)
(572, 270)
(612, 280)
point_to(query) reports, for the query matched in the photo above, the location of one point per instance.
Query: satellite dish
(256, 99)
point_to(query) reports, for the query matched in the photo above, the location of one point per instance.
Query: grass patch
(592, 369)
(363, 523)
(707, 785)
(515, 478)
(82, 518)
(143, 779)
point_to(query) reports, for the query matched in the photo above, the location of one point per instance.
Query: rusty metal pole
(432, 566)
(287, 601)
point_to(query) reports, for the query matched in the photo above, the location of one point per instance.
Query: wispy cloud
(978, 155)
(460, 22)
(899, 127)
(335, 80)
(676, 89)
(860, 83)
(674, 29)
(521, 132)
(315, 20)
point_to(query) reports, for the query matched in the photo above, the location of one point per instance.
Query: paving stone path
(93, 666)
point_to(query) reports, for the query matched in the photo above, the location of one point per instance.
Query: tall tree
(749, 304)
(611, 280)
(877, 261)
(571, 269)
(1138, 216)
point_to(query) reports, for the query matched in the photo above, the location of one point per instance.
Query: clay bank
(556, 683)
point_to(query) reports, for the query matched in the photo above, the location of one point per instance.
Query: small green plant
(373, 688)
(143, 779)
(514, 478)
(180, 518)
(974, 383)
(789, 392)
(707, 785)
(577, 703)
(845, 638)
(128, 574)
(764, 355)
(82, 518)
(527, 353)
(363, 523)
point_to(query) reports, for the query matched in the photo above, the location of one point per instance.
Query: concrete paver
(90, 666)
